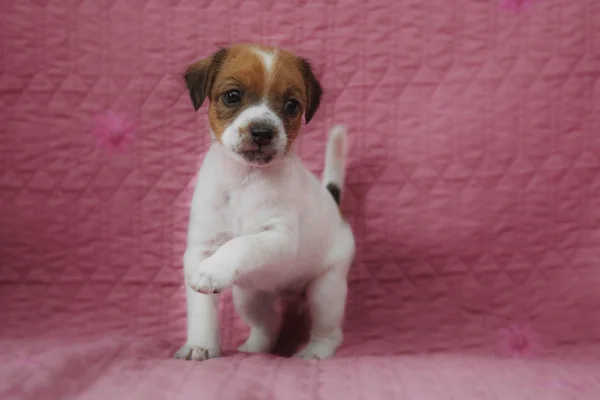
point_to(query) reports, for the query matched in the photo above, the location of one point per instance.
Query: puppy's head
(257, 96)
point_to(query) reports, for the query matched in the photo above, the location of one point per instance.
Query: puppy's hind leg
(326, 298)
(258, 309)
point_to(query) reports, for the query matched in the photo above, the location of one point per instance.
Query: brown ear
(313, 90)
(200, 77)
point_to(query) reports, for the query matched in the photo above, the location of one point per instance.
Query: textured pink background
(474, 190)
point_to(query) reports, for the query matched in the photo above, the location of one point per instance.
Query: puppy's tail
(335, 162)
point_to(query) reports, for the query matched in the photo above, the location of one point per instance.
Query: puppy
(260, 221)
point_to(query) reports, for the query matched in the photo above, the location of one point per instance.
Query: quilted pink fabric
(474, 191)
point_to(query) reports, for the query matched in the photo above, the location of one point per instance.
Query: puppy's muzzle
(262, 133)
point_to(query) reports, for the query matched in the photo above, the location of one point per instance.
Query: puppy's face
(257, 96)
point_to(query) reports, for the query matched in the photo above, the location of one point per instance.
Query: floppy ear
(313, 89)
(200, 77)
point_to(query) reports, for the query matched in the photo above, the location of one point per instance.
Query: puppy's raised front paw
(209, 278)
(205, 283)
(197, 353)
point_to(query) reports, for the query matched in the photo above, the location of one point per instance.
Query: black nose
(262, 134)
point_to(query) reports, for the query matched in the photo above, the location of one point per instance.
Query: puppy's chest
(245, 209)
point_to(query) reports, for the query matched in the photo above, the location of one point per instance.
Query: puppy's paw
(197, 353)
(251, 348)
(205, 283)
(209, 278)
(257, 343)
(316, 351)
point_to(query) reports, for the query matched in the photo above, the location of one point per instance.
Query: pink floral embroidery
(519, 341)
(515, 5)
(114, 131)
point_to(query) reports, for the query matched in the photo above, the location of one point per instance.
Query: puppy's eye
(232, 98)
(292, 107)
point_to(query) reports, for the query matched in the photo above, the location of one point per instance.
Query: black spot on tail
(335, 191)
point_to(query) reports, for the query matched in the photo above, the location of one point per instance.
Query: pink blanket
(474, 191)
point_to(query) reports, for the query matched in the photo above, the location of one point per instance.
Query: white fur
(233, 140)
(335, 157)
(268, 58)
(263, 230)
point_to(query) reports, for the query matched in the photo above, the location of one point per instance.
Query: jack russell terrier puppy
(260, 221)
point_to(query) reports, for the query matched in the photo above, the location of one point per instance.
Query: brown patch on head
(292, 81)
(242, 71)
(256, 73)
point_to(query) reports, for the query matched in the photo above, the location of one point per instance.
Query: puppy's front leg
(240, 257)
(203, 332)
